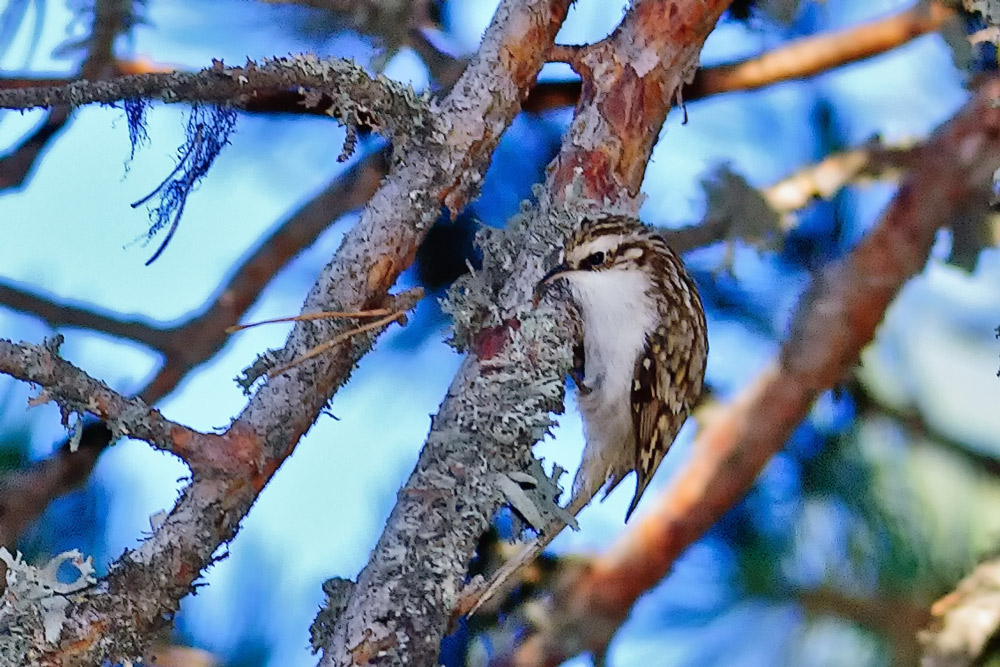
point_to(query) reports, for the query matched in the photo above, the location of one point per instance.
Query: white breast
(617, 311)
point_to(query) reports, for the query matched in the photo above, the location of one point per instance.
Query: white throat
(617, 311)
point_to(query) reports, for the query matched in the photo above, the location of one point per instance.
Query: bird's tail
(530, 550)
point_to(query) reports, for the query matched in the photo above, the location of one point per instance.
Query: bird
(641, 365)
(639, 368)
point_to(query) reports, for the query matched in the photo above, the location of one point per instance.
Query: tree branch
(817, 54)
(837, 319)
(112, 620)
(498, 405)
(60, 315)
(75, 391)
(747, 214)
(830, 175)
(357, 98)
(801, 59)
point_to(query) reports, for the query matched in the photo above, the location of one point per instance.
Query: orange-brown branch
(814, 55)
(74, 390)
(800, 59)
(629, 81)
(838, 319)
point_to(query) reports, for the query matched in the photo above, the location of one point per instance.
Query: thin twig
(337, 340)
(305, 317)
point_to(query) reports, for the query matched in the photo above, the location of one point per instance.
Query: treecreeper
(641, 364)
(639, 368)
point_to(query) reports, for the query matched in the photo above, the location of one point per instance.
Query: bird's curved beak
(553, 274)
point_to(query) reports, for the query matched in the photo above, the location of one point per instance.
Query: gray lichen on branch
(75, 391)
(357, 98)
(498, 406)
(141, 592)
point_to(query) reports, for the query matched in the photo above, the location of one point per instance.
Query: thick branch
(111, 18)
(801, 59)
(629, 82)
(837, 320)
(499, 402)
(445, 166)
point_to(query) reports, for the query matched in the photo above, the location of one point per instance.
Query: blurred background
(878, 504)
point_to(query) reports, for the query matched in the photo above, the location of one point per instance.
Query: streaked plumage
(644, 350)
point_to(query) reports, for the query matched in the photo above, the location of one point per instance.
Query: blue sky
(70, 234)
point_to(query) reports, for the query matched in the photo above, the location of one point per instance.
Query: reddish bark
(838, 319)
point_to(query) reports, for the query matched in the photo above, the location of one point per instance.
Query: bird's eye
(596, 259)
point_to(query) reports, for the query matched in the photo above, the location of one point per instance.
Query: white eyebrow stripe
(605, 243)
(633, 253)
